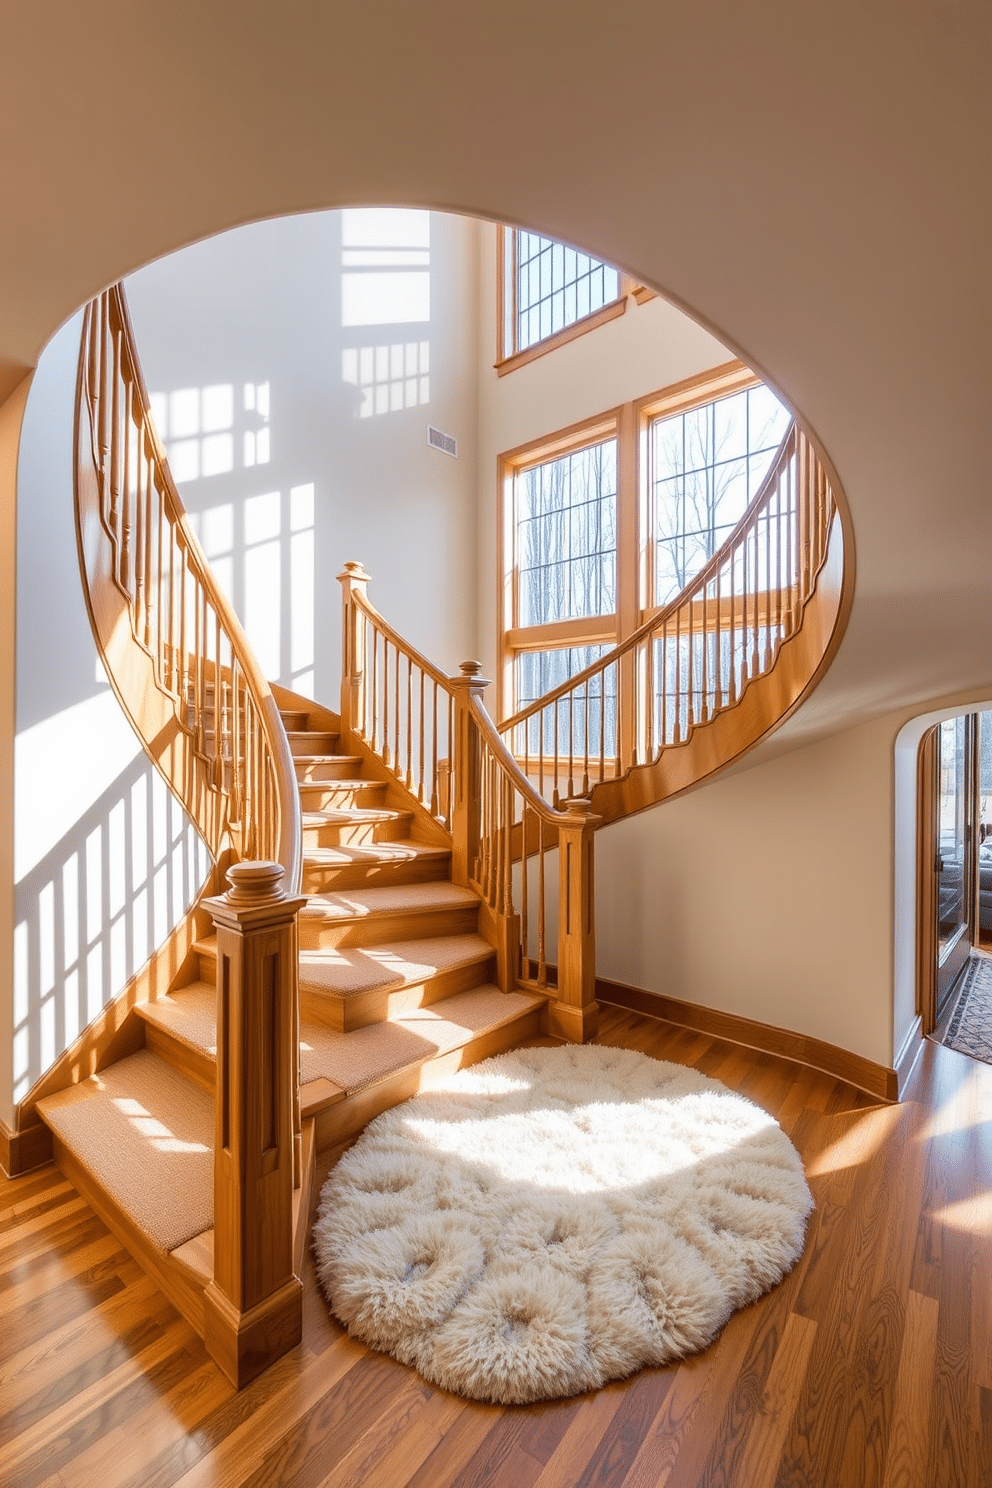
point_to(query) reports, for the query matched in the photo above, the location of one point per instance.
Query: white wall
(105, 861)
(283, 303)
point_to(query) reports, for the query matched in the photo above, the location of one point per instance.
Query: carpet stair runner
(396, 989)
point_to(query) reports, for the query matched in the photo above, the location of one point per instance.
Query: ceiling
(810, 181)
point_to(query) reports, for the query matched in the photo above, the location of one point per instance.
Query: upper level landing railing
(697, 657)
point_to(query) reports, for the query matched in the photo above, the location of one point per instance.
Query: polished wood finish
(870, 1366)
(574, 1013)
(253, 1305)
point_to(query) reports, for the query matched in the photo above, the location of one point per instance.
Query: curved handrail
(174, 650)
(694, 658)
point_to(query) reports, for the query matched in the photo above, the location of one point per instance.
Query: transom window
(549, 292)
(605, 523)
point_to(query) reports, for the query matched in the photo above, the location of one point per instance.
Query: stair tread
(336, 815)
(405, 850)
(356, 1059)
(360, 1058)
(356, 904)
(189, 1014)
(344, 971)
(146, 1135)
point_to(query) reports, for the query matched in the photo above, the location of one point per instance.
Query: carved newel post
(574, 1014)
(354, 581)
(253, 1308)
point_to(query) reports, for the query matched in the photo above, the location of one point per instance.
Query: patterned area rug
(970, 1028)
(555, 1218)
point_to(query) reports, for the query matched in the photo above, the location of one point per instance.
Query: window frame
(630, 424)
(612, 310)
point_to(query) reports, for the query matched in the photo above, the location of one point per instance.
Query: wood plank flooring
(870, 1365)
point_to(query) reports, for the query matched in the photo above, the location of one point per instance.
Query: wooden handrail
(501, 828)
(696, 656)
(232, 767)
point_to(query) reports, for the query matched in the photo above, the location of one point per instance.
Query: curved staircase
(422, 923)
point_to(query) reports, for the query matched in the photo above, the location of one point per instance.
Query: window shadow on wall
(92, 911)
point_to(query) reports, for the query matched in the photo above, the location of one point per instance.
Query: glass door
(955, 874)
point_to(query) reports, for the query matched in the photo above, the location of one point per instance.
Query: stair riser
(304, 744)
(195, 1064)
(343, 1014)
(375, 929)
(355, 833)
(328, 796)
(321, 879)
(338, 767)
(294, 723)
(355, 1112)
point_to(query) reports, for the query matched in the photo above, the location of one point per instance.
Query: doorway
(955, 856)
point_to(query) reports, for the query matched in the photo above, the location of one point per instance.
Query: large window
(549, 292)
(607, 522)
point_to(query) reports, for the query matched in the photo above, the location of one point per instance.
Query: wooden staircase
(396, 989)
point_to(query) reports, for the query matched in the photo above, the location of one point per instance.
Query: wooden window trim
(610, 311)
(629, 423)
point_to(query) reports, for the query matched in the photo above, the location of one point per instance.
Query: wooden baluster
(525, 957)
(571, 742)
(542, 955)
(147, 560)
(115, 444)
(139, 540)
(129, 484)
(420, 743)
(755, 617)
(103, 405)
(435, 800)
(574, 1013)
(768, 586)
(237, 797)
(555, 736)
(409, 723)
(449, 705)
(253, 1307)
(396, 716)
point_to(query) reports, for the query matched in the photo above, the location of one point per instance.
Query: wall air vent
(446, 442)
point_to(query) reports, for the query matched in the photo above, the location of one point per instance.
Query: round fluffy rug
(555, 1218)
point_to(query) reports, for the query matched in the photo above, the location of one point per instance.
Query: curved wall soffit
(490, 214)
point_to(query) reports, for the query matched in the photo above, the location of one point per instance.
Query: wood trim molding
(876, 1079)
(909, 1054)
(21, 1151)
(606, 313)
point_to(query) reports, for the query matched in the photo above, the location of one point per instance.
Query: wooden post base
(245, 1343)
(577, 1025)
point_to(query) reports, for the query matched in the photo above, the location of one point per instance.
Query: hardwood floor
(871, 1364)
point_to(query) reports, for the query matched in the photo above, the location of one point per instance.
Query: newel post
(466, 774)
(354, 580)
(253, 1308)
(574, 1014)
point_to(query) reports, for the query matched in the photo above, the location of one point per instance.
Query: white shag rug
(555, 1218)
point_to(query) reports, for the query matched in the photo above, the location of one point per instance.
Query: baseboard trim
(22, 1151)
(909, 1054)
(875, 1079)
